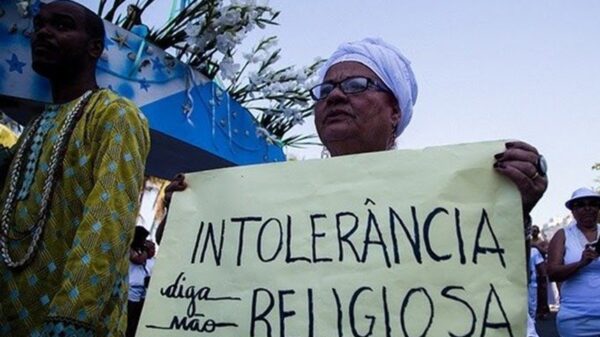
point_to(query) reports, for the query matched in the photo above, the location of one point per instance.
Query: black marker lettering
(405, 305)
(263, 315)
(484, 250)
(446, 293)
(372, 223)
(345, 236)
(259, 240)
(426, 227)
(242, 222)
(314, 236)
(371, 318)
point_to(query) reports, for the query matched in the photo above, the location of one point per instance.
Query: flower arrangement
(206, 35)
(27, 8)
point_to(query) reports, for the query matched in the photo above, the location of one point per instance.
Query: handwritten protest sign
(402, 243)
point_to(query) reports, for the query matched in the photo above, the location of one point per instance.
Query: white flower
(288, 112)
(23, 7)
(199, 43)
(311, 82)
(229, 17)
(254, 78)
(301, 75)
(228, 68)
(193, 30)
(264, 133)
(290, 86)
(239, 36)
(297, 119)
(276, 88)
(251, 16)
(225, 42)
(249, 3)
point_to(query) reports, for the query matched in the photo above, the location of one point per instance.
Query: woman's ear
(95, 48)
(395, 117)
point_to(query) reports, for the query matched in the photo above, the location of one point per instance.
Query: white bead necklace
(56, 157)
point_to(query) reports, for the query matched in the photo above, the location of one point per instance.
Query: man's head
(68, 39)
(535, 231)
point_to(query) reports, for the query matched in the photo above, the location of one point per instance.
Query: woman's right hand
(588, 255)
(178, 184)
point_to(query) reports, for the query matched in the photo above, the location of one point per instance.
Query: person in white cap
(573, 260)
(365, 100)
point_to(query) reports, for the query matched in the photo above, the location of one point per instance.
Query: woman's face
(356, 123)
(585, 211)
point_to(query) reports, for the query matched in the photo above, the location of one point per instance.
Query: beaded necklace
(45, 124)
(56, 157)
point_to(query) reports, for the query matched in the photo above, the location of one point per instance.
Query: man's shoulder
(114, 105)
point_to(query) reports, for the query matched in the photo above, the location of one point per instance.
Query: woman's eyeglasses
(351, 85)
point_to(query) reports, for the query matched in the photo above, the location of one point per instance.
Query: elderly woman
(365, 100)
(573, 260)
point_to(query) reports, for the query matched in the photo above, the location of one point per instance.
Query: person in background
(538, 240)
(7, 137)
(537, 270)
(141, 262)
(540, 244)
(573, 260)
(72, 192)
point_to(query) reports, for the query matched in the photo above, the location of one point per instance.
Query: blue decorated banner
(188, 114)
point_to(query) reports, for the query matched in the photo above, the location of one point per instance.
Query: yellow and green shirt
(76, 283)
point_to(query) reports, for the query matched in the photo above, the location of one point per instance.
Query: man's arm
(558, 271)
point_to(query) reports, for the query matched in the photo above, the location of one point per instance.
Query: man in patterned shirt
(70, 199)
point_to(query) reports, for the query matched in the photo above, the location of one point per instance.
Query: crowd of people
(72, 261)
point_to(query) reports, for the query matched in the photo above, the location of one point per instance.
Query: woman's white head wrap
(388, 64)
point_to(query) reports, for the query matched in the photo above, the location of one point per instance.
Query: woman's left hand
(519, 163)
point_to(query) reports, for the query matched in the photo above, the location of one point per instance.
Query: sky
(486, 71)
